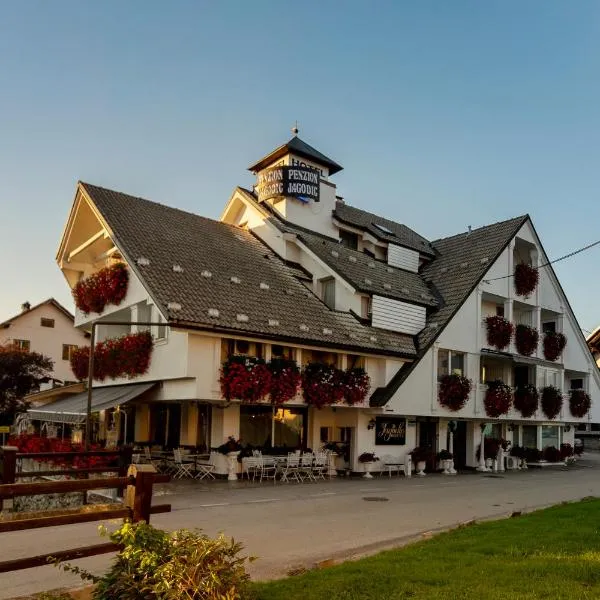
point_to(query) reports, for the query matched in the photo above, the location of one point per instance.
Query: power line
(551, 262)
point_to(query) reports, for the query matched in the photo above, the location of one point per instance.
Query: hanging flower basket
(526, 400)
(579, 403)
(551, 401)
(285, 379)
(554, 344)
(245, 378)
(499, 332)
(322, 384)
(526, 279)
(498, 399)
(107, 286)
(127, 356)
(356, 385)
(454, 391)
(526, 339)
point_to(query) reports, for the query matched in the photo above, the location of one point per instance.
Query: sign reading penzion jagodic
(299, 182)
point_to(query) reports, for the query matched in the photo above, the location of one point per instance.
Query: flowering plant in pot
(517, 451)
(321, 384)
(579, 403)
(533, 455)
(231, 448)
(552, 454)
(498, 399)
(445, 458)
(526, 279)
(106, 286)
(419, 457)
(356, 384)
(566, 451)
(499, 331)
(231, 445)
(285, 379)
(554, 344)
(526, 339)
(490, 448)
(367, 459)
(526, 400)
(551, 401)
(245, 378)
(454, 391)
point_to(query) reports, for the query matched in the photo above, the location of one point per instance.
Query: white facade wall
(46, 340)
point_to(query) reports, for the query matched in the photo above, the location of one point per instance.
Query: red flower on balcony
(356, 385)
(526, 279)
(498, 399)
(526, 339)
(499, 331)
(526, 400)
(322, 384)
(107, 286)
(285, 379)
(554, 344)
(127, 356)
(245, 378)
(454, 391)
(579, 403)
(552, 401)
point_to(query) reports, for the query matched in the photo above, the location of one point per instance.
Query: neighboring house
(590, 432)
(292, 270)
(47, 328)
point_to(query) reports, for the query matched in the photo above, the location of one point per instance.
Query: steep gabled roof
(299, 148)
(51, 301)
(167, 236)
(461, 264)
(400, 234)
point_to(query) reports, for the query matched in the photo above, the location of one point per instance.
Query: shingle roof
(365, 273)
(402, 235)
(282, 308)
(300, 148)
(461, 263)
(52, 301)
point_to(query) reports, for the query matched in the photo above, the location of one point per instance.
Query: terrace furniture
(305, 469)
(291, 467)
(203, 466)
(320, 465)
(250, 466)
(184, 468)
(267, 468)
(392, 464)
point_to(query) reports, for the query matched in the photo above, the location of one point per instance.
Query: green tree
(21, 373)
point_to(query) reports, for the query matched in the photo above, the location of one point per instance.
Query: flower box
(554, 344)
(526, 400)
(551, 401)
(526, 279)
(499, 332)
(526, 339)
(454, 391)
(107, 286)
(579, 403)
(498, 399)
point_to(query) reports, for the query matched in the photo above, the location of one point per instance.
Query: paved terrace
(296, 525)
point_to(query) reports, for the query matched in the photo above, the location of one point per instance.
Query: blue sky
(444, 114)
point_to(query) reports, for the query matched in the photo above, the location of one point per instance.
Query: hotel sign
(390, 431)
(302, 183)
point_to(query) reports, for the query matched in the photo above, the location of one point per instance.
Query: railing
(137, 504)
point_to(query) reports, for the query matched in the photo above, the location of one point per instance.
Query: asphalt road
(298, 525)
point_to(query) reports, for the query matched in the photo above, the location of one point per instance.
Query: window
(262, 426)
(549, 327)
(550, 436)
(328, 292)
(450, 363)
(22, 345)
(67, 351)
(349, 239)
(529, 436)
(366, 307)
(499, 311)
(278, 351)
(44, 322)
(576, 384)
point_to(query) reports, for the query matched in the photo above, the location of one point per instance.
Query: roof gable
(49, 301)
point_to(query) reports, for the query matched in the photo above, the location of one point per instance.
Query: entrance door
(428, 439)
(460, 445)
(174, 426)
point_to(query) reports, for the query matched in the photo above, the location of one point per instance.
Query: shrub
(170, 566)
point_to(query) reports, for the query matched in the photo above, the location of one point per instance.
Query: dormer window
(349, 239)
(328, 292)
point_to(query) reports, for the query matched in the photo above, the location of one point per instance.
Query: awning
(73, 409)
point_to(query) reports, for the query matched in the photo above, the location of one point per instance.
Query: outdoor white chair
(250, 466)
(305, 469)
(320, 465)
(205, 468)
(267, 468)
(291, 467)
(184, 467)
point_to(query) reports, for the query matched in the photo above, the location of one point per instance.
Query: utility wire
(551, 262)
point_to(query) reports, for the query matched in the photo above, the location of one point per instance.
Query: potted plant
(231, 448)
(526, 400)
(498, 399)
(554, 344)
(518, 452)
(579, 403)
(526, 279)
(567, 453)
(526, 339)
(551, 401)
(499, 331)
(445, 457)
(454, 391)
(419, 457)
(367, 459)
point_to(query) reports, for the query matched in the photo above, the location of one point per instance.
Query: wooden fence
(137, 506)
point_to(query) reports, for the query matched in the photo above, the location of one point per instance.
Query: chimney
(25, 306)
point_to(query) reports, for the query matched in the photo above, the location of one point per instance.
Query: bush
(171, 566)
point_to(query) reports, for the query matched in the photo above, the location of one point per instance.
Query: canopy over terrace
(73, 409)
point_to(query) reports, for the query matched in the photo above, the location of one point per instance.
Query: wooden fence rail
(137, 505)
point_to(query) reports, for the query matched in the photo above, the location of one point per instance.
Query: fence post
(125, 459)
(8, 465)
(139, 495)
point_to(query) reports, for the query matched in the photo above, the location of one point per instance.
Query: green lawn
(550, 554)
